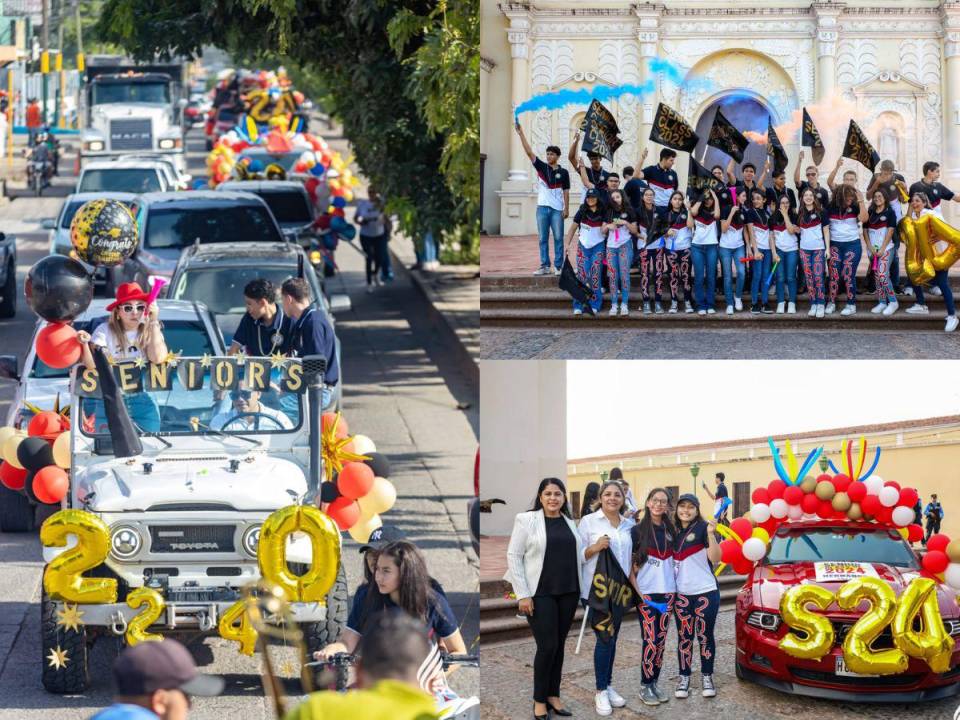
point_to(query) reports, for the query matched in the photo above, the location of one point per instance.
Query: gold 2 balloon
(103, 232)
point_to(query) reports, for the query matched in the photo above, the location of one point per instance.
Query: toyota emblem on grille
(194, 546)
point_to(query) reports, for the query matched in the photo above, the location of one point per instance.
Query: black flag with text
(724, 136)
(600, 131)
(670, 129)
(123, 433)
(610, 595)
(699, 178)
(810, 137)
(857, 147)
(775, 149)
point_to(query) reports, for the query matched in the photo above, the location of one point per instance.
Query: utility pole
(81, 60)
(45, 55)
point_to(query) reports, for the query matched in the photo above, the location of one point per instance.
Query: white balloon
(760, 512)
(50, 552)
(902, 516)
(889, 496)
(952, 575)
(754, 549)
(779, 508)
(874, 484)
(362, 445)
(795, 512)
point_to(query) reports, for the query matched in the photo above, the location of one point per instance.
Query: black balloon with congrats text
(58, 288)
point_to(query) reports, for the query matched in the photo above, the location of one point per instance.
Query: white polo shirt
(594, 526)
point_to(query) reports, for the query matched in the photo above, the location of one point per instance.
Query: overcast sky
(616, 406)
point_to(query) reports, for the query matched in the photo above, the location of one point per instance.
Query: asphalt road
(402, 388)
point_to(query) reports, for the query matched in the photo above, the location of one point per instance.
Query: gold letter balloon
(62, 578)
(314, 585)
(137, 627)
(818, 629)
(857, 651)
(932, 643)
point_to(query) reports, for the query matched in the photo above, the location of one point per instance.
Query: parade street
(403, 386)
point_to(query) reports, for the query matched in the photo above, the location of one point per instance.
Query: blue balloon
(339, 202)
(255, 166)
(317, 170)
(342, 227)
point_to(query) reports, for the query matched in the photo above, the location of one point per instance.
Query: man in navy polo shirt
(933, 188)
(264, 329)
(662, 177)
(594, 170)
(553, 203)
(311, 332)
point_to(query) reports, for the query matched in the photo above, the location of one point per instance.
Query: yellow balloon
(368, 508)
(758, 532)
(953, 551)
(61, 450)
(932, 644)
(858, 654)
(6, 432)
(235, 625)
(137, 627)
(313, 585)
(818, 629)
(363, 528)
(921, 236)
(362, 445)
(62, 578)
(9, 449)
(904, 533)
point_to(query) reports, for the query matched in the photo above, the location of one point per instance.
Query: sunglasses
(129, 307)
(244, 394)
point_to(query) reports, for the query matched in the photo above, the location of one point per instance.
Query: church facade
(895, 66)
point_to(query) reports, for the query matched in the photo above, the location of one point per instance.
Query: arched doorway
(746, 113)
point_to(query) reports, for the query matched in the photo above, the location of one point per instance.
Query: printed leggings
(653, 628)
(813, 271)
(844, 259)
(696, 617)
(618, 272)
(589, 264)
(885, 291)
(653, 266)
(680, 272)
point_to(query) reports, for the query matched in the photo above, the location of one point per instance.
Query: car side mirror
(340, 302)
(10, 367)
(48, 223)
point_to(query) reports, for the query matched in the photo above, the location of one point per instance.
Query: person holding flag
(589, 221)
(812, 174)
(761, 247)
(662, 177)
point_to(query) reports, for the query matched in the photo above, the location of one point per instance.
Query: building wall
(897, 64)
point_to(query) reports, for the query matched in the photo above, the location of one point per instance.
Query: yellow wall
(927, 459)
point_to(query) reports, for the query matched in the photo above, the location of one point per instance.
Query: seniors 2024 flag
(600, 131)
(670, 129)
(857, 147)
(610, 594)
(724, 136)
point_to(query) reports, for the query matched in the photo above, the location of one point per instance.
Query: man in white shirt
(247, 413)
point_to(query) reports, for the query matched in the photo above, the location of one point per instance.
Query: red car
(812, 552)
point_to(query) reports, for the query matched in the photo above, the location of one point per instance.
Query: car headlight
(169, 143)
(125, 542)
(251, 540)
(764, 620)
(95, 145)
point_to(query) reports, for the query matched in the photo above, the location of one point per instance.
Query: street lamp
(694, 471)
(603, 476)
(823, 463)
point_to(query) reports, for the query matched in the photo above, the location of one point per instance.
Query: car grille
(862, 681)
(131, 134)
(191, 538)
(884, 640)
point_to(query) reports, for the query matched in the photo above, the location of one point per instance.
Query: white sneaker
(849, 310)
(935, 291)
(729, 309)
(820, 311)
(813, 311)
(709, 690)
(738, 304)
(602, 703)
(891, 308)
(577, 311)
(616, 699)
(829, 308)
(543, 270)
(878, 308)
(952, 322)
(791, 309)
(688, 307)
(908, 291)
(780, 308)
(701, 312)
(555, 270)
(711, 311)
(624, 310)
(614, 309)
(918, 310)
(673, 306)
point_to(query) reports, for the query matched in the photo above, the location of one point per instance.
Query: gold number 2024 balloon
(818, 629)
(314, 585)
(62, 578)
(137, 627)
(235, 625)
(932, 643)
(857, 651)
(920, 236)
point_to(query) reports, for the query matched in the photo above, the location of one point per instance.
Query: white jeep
(185, 515)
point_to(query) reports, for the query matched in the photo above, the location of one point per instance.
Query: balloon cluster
(360, 493)
(36, 462)
(942, 559)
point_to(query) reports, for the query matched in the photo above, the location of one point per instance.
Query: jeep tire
(17, 514)
(75, 676)
(318, 635)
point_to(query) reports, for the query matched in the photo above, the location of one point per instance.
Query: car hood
(263, 483)
(774, 580)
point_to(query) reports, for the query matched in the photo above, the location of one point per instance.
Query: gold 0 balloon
(137, 627)
(62, 578)
(818, 629)
(857, 653)
(314, 585)
(932, 643)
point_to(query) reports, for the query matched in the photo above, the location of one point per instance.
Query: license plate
(842, 670)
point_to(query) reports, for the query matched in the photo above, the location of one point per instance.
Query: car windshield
(221, 288)
(288, 206)
(182, 336)
(840, 545)
(204, 411)
(133, 92)
(134, 180)
(177, 227)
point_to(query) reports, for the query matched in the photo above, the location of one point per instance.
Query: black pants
(933, 527)
(550, 623)
(371, 255)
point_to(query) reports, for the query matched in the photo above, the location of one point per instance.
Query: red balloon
(743, 567)
(810, 503)
(825, 477)
(793, 495)
(12, 477)
(857, 491)
(884, 515)
(776, 488)
(46, 424)
(344, 512)
(935, 561)
(914, 531)
(730, 551)
(938, 542)
(57, 345)
(770, 525)
(824, 509)
(870, 505)
(327, 420)
(841, 482)
(908, 497)
(742, 527)
(891, 483)
(355, 480)
(50, 484)
(760, 495)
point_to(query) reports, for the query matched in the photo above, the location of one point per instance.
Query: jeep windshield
(134, 180)
(155, 92)
(221, 288)
(840, 545)
(204, 411)
(178, 227)
(287, 206)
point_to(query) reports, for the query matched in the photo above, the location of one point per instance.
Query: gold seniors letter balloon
(920, 236)
(314, 585)
(857, 653)
(932, 644)
(819, 629)
(62, 578)
(243, 632)
(137, 627)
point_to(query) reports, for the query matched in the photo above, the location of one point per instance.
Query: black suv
(288, 201)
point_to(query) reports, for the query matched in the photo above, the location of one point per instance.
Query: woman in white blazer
(544, 565)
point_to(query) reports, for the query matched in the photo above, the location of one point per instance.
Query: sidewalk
(501, 255)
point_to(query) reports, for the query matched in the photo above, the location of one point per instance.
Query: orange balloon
(57, 345)
(355, 480)
(344, 512)
(46, 424)
(327, 420)
(50, 484)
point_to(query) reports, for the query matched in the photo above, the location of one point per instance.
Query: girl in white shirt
(679, 234)
(703, 222)
(813, 227)
(606, 528)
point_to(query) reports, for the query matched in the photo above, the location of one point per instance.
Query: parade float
(836, 602)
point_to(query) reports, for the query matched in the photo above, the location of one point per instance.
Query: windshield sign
(155, 93)
(179, 227)
(839, 545)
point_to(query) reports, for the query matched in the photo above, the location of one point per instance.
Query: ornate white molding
(551, 63)
(486, 64)
(584, 29)
(801, 27)
(519, 30)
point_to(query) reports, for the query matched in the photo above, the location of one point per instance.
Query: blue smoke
(561, 98)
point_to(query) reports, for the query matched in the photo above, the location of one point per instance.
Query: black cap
(690, 498)
(593, 192)
(161, 665)
(383, 536)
